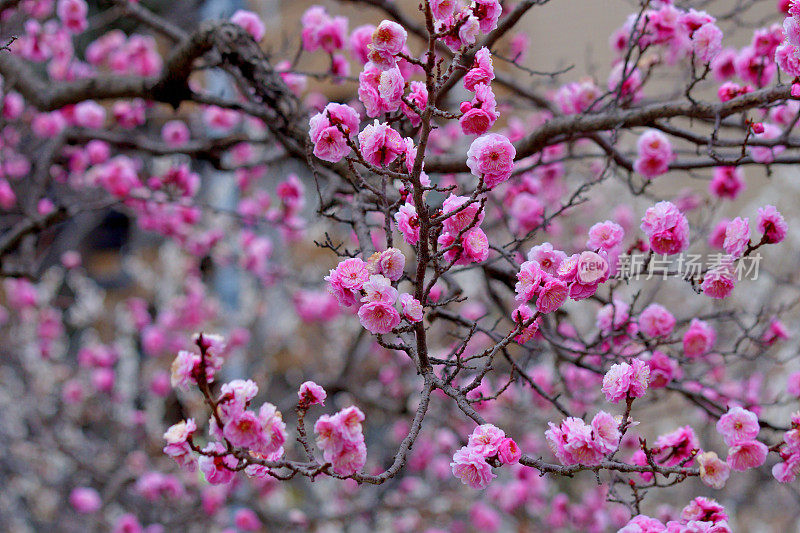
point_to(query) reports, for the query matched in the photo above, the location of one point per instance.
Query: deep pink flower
(772, 224)
(667, 228)
(380, 144)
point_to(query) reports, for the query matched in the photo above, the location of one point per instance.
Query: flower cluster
(575, 442)
(487, 444)
(701, 514)
(341, 440)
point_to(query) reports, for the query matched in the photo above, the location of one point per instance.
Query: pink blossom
(408, 223)
(470, 466)
(85, 500)
(463, 213)
(655, 154)
(677, 446)
(90, 114)
(605, 235)
(592, 268)
(574, 98)
(475, 246)
(738, 425)
(389, 37)
(667, 228)
(549, 259)
(488, 13)
(73, 14)
(486, 439)
(573, 443)
(218, 469)
(491, 157)
(417, 95)
(714, 472)
(707, 42)
(443, 9)
(605, 428)
(311, 394)
(412, 308)
(379, 289)
(766, 154)
(625, 379)
(529, 279)
(727, 182)
(250, 22)
(508, 452)
(552, 295)
(379, 317)
(359, 41)
(662, 369)
(746, 455)
(787, 58)
(177, 447)
(643, 524)
(482, 71)
(771, 224)
(352, 273)
(737, 237)
(718, 282)
(698, 339)
(175, 133)
(380, 144)
(656, 321)
(480, 114)
(247, 520)
(330, 130)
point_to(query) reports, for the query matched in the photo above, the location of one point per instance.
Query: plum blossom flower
(656, 321)
(470, 466)
(745, 455)
(491, 157)
(379, 317)
(412, 308)
(250, 22)
(380, 144)
(625, 379)
(771, 224)
(698, 339)
(667, 228)
(737, 237)
(738, 425)
(714, 472)
(311, 394)
(655, 154)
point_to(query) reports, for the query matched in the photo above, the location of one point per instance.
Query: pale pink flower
(746, 455)
(737, 236)
(218, 470)
(486, 439)
(738, 425)
(175, 133)
(391, 263)
(177, 437)
(625, 379)
(352, 273)
(408, 223)
(655, 154)
(605, 235)
(379, 289)
(463, 213)
(591, 268)
(656, 321)
(471, 468)
(90, 114)
(529, 278)
(380, 144)
(605, 428)
(250, 22)
(491, 157)
(698, 339)
(549, 259)
(552, 295)
(714, 472)
(389, 37)
(379, 317)
(412, 308)
(707, 42)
